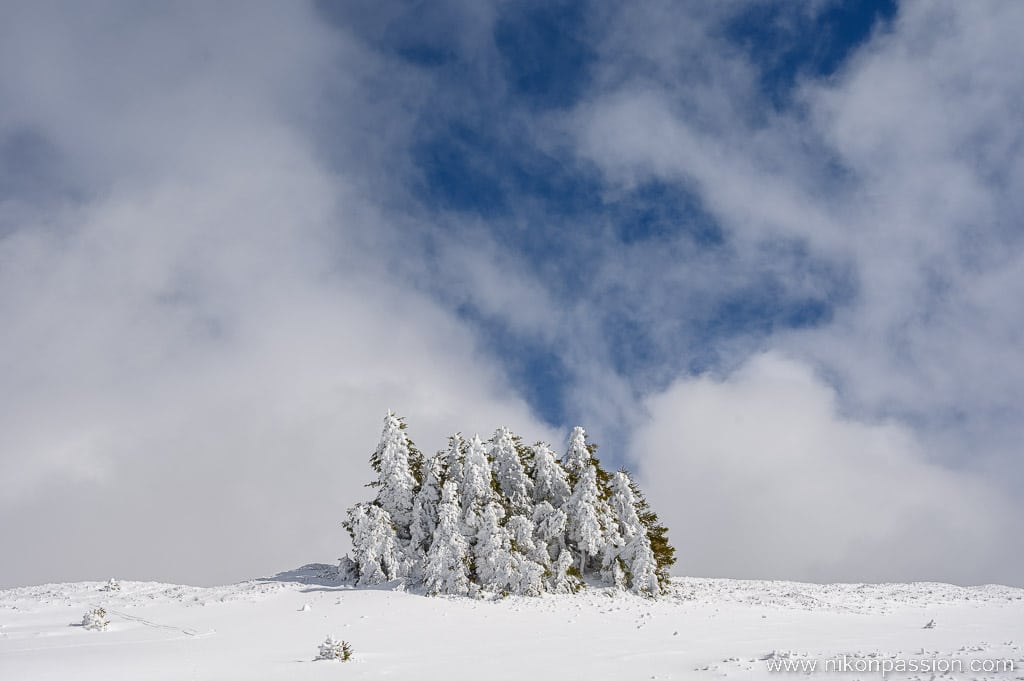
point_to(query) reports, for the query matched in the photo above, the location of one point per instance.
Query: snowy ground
(707, 629)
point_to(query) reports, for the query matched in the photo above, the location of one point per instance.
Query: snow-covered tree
(515, 486)
(529, 561)
(453, 458)
(613, 568)
(548, 533)
(521, 530)
(564, 577)
(374, 543)
(348, 569)
(477, 486)
(625, 528)
(584, 513)
(623, 504)
(577, 456)
(657, 536)
(424, 509)
(642, 565)
(493, 550)
(396, 461)
(550, 482)
(446, 568)
(591, 524)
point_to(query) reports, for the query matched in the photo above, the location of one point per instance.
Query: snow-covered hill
(706, 629)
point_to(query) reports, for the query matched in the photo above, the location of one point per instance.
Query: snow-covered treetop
(510, 473)
(577, 457)
(395, 460)
(551, 483)
(624, 505)
(477, 478)
(503, 518)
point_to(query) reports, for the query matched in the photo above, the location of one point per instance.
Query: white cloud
(901, 169)
(760, 476)
(198, 354)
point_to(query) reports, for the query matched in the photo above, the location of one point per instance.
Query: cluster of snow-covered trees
(500, 516)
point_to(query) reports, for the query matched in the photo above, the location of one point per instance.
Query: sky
(768, 253)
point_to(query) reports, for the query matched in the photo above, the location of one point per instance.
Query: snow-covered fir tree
(548, 531)
(503, 518)
(577, 456)
(635, 553)
(424, 510)
(657, 536)
(454, 455)
(528, 564)
(446, 567)
(550, 482)
(375, 544)
(513, 483)
(396, 461)
(493, 550)
(582, 509)
(478, 486)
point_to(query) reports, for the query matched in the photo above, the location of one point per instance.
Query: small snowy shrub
(333, 649)
(348, 570)
(96, 619)
(112, 585)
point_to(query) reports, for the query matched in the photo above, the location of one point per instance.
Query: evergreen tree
(510, 473)
(477, 486)
(657, 536)
(550, 482)
(549, 527)
(529, 561)
(374, 544)
(564, 577)
(577, 457)
(613, 568)
(642, 565)
(527, 576)
(521, 529)
(453, 458)
(493, 550)
(582, 510)
(636, 553)
(424, 509)
(591, 522)
(395, 460)
(549, 543)
(447, 564)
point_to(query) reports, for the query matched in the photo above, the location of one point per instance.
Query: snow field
(705, 629)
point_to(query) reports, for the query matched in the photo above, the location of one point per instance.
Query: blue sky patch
(787, 40)
(545, 56)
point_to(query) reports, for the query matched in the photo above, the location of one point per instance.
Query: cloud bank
(763, 468)
(200, 344)
(785, 294)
